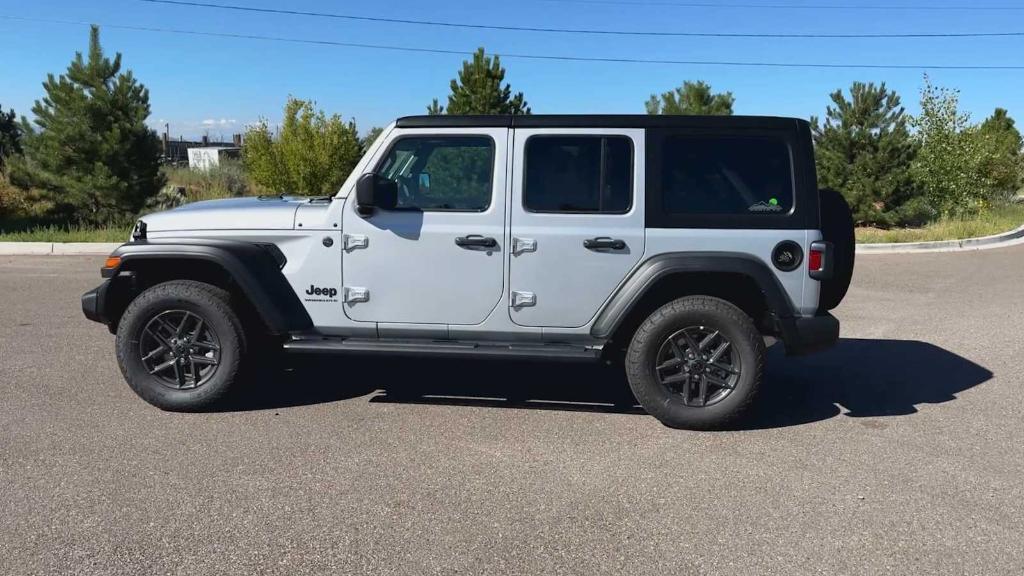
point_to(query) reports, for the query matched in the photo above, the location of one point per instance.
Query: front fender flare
(252, 267)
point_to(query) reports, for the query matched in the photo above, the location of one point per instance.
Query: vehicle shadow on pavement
(861, 378)
(485, 383)
(858, 378)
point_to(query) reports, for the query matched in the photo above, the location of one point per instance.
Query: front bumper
(101, 303)
(93, 303)
(810, 334)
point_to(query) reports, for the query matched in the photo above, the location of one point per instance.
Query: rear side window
(588, 174)
(726, 175)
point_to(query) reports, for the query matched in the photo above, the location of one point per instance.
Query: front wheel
(696, 363)
(179, 345)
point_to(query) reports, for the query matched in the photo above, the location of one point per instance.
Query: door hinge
(353, 241)
(523, 299)
(356, 294)
(521, 245)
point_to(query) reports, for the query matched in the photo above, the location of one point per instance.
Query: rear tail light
(816, 260)
(819, 260)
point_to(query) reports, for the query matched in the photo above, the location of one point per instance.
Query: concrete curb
(57, 248)
(1011, 238)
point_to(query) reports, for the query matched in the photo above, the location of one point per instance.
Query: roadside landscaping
(994, 221)
(55, 233)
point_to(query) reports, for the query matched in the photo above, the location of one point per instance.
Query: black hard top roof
(598, 121)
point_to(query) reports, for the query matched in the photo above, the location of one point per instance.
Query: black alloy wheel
(699, 364)
(180, 345)
(180, 349)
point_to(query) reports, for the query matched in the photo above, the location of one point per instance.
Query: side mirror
(375, 191)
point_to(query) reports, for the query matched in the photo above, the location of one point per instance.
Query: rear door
(577, 221)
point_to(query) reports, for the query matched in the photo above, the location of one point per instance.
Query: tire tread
(184, 290)
(637, 371)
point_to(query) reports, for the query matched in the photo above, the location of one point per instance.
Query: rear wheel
(696, 363)
(179, 345)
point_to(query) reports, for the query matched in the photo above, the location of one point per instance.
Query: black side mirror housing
(375, 191)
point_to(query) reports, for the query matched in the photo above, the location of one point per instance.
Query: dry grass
(70, 233)
(230, 180)
(994, 221)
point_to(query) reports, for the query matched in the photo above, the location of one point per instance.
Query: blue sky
(200, 84)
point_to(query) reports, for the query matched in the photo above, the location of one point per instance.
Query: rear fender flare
(652, 270)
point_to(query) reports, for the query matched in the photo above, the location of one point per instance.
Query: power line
(507, 28)
(745, 6)
(562, 58)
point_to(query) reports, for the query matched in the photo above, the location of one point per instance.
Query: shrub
(169, 197)
(915, 212)
(951, 164)
(229, 180)
(312, 155)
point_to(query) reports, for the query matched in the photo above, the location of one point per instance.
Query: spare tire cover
(837, 228)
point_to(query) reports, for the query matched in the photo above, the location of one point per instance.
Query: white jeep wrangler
(673, 245)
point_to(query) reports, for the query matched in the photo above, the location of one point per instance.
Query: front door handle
(604, 243)
(476, 241)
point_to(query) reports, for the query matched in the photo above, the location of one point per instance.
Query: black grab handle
(475, 240)
(604, 243)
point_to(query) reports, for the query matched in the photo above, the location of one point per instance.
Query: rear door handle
(476, 241)
(604, 243)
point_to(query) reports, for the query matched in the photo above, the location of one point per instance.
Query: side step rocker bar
(442, 348)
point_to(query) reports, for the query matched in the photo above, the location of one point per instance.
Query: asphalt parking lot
(900, 451)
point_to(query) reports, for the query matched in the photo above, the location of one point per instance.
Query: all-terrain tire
(206, 301)
(667, 404)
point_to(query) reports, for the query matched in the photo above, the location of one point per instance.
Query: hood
(252, 213)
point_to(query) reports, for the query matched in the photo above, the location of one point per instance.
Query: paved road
(900, 451)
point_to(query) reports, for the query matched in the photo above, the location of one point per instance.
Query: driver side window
(441, 172)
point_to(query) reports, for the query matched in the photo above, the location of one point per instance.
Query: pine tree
(692, 98)
(435, 108)
(864, 150)
(90, 151)
(10, 136)
(479, 90)
(1003, 142)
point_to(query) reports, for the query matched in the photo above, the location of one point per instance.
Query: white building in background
(211, 156)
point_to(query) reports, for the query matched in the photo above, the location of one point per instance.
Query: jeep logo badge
(327, 293)
(787, 256)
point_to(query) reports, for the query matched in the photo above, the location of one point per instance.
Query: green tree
(312, 154)
(951, 164)
(479, 90)
(692, 98)
(371, 136)
(1003, 142)
(10, 136)
(90, 151)
(864, 150)
(435, 108)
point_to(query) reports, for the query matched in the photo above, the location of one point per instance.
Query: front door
(577, 218)
(438, 257)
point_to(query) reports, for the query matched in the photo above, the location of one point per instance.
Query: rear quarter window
(733, 177)
(726, 175)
